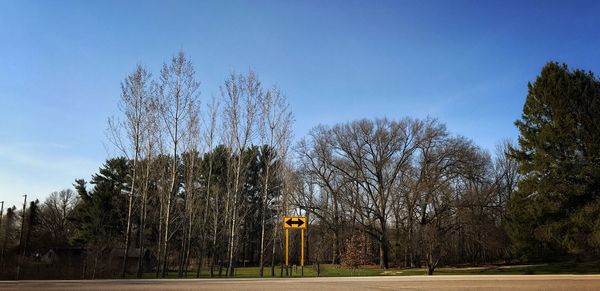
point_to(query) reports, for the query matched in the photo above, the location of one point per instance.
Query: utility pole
(1, 212)
(20, 262)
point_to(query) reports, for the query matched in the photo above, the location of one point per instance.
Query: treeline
(422, 195)
(26, 232)
(199, 190)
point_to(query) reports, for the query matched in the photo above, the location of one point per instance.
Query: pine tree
(557, 206)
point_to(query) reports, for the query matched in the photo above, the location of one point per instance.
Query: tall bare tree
(374, 154)
(149, 154)
(275, 131)
(442, 159)
(240, 95)
(210, 137)
(127, 134)
(177, 92)
(316, 158)
(190, 178)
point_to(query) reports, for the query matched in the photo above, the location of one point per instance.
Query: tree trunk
(182, 250)
(190, 217)
(232, 237)
(127, 233)
(203, 223)
(430, 269)
(166, 239)
(201, 255)
(383, 252)
(409, 240)
(335, 259)
(234, 222)
(172, 192)
(159, 247)
(274, 250)
(263, 214)
(140, 268)
(130, 207)
(336, 236)
(212, 265)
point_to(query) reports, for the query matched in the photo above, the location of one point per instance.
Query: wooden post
(302, 252)
(1, 251)
(287, 242)
(21, 246)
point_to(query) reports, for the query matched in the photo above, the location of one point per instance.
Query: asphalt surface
(455, 282)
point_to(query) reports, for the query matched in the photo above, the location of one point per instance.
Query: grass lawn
(339, 271)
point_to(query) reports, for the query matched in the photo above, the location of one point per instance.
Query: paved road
(478, 282)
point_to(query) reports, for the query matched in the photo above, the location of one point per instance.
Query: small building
(62, 255)
(133, 258)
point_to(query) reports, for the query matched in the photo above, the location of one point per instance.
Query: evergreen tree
(556, 207)
(9, 236)
(33, 220)
(102, 210)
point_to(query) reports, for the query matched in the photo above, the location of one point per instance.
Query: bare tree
(373, 154)
(507, 173)
(190, 177)
(433, 187)
(177, 92)
(442, 159)
(135, 91)
(149, 154)
(55, 213)
(316, 158)
(210, 134)
(240, 94)
(275, 130)
(161, 172)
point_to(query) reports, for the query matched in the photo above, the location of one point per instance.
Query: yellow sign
(294, 222)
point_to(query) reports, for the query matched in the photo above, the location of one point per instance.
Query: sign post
(294, 222)
(287, 243)
(302, 253)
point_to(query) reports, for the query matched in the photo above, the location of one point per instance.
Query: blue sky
(465, 62)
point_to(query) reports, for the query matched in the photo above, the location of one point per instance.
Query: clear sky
(465, 62)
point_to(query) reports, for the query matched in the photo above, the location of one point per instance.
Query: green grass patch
(328, 270)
